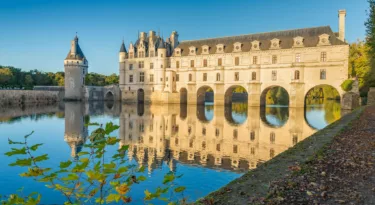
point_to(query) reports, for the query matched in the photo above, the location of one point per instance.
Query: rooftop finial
(76, 37)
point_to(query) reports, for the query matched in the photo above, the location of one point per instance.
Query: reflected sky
(210, 145)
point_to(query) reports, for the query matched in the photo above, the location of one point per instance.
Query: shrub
(347, 85)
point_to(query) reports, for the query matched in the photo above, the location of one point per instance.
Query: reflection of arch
(235, 97)
(183, 111)
(263, 96)
(109, 104)
(274, 117)
(183, 96)
(140, 109)
(204, 96)
(203, 113)
(141, 95)
(235, 114)
(109, 96)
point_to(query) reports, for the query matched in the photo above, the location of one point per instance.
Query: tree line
(15, 78)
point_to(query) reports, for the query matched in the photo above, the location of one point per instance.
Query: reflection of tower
(75, 130)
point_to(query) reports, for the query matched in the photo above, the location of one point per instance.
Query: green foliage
(370, 43)
(347, 85)
(11, 77)
(277, 96)
(93, 178)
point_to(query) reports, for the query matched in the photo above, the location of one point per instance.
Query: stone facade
(158, 71)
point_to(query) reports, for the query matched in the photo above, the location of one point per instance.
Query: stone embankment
(262, 185)
(9, 98)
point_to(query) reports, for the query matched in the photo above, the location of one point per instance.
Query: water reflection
(327, 110)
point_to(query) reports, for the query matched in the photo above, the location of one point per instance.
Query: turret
(76, 68)
(122, 56)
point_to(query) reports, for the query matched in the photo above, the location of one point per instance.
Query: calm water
(209, 145)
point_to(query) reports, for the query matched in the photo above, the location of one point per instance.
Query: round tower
(122, 56)
(162, 64)
(76, 67)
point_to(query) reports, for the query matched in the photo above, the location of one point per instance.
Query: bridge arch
(322, 92)
(274, 117)
(235, 93)
(109, 96)
(280, 95)
(236, 114)
(205, 94)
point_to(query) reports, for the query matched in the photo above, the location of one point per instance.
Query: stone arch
(205, 113)
(183, 96)
(109, 96)
(230, 97)
(140, 96)
(263, 100)
(203, 96)
(320, 93)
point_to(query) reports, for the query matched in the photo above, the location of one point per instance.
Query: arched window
(323, 74)
(253, 76)
(237, 61)
(296, 75)
(272, 138)
(190, 77)
(217, 76)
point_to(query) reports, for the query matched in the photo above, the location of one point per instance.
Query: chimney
(342, 15)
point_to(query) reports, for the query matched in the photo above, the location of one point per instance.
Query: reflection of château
(172, 133)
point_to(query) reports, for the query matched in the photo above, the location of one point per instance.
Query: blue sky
(36, 34)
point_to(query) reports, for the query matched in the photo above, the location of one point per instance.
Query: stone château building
(169, 71)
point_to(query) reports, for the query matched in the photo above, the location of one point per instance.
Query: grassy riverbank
(263, 185)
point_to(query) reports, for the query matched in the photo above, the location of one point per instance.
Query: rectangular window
(237, 61)
(141, 77)
(236, 76)
(130, 66)
(161, 79)
(255, 60)
(192, 63)
(204, 62)
(151, 53)
(161, 66)
(323, 57)
(323, 74)
(141, 64)
(274, 75)
(177, 64)
(235, 149)
(219, 62)
(298, 57)
(130, 78)
(151, 78)
(151, 65)
(253, 76)
(217, 76)
(131, 55)
(274, 59)
(190, 77)
(177, 77)
(204, 76)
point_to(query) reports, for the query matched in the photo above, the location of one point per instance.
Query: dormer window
(324, 40)
(192, 50)
(275, 43)
(298, 42)
(177, 52)
(220, 48)
(237, 47)
(255, 45)
(205, 49)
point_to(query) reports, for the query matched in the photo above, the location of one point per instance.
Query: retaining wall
(22, 97)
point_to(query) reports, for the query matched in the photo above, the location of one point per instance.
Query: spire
(75, 52)
(161, 43)
(122, 48)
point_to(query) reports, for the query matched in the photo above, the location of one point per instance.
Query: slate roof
(79, 55)
(310, 35)
(123, 49)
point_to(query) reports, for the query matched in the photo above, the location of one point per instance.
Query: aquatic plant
(92, 178)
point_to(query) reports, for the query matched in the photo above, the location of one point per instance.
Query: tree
(112, 79)
(359, 64)
(29, 81)
(6, 77)
(370, 40)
